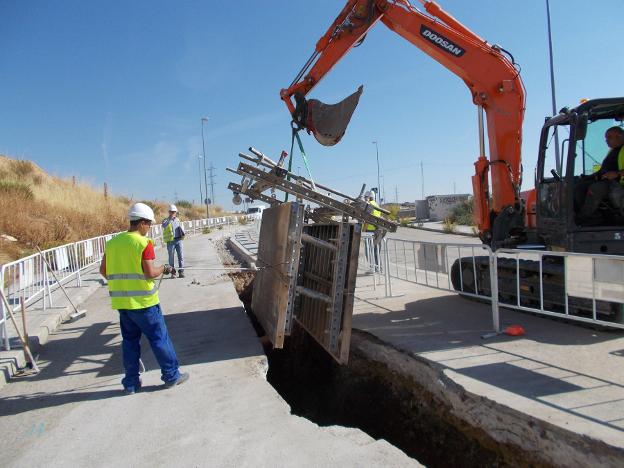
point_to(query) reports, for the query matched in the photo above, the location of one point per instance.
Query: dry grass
(39, 209)
(449, 226)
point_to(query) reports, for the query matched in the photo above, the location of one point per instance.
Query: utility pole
(454, 188)
(396, 194)
(552, 90)
(205, 119)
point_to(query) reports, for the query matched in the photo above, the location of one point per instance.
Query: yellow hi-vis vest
(372, 227)
(127, 285)
(168, 232)
(621, 163)
(596, 167)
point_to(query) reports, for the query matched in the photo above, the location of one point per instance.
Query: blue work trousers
(176, 246)
(150, 322)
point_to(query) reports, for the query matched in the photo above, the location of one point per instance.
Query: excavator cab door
(553, 203)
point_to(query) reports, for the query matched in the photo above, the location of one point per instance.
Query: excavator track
(475, 279)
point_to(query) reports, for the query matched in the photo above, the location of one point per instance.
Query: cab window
(550, 159)
(591, 151)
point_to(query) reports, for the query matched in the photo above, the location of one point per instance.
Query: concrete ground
(558, 372)
(40, 321)
(74, 413)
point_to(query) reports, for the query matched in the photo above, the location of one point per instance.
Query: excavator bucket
(328, 122)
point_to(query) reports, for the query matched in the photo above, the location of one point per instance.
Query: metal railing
(580, 287)
(592, 288)
(29, 280)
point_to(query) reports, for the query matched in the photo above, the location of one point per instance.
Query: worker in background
(173, 233)
(590, 192)
(371, 228)
(128, 265)
(368, 196)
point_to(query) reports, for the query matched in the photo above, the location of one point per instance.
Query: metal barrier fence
(29, 280)
(592, 289)
(581, 287)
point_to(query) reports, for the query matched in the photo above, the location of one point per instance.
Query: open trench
(383, 401)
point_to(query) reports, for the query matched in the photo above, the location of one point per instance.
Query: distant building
(422, 209)
(441, 206)
(433, 208)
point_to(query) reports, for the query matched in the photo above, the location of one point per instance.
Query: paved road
(430, 236)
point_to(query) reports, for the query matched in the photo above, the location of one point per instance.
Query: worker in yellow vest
(371, 228)
(368, 196)
(128, 265)
(173, 234)
(606, 182)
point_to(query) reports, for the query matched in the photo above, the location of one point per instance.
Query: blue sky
(113, 91)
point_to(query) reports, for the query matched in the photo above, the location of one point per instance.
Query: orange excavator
(542, 218)
(489, 72)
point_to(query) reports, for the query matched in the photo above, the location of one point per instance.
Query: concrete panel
(278, 255)
(330, 275)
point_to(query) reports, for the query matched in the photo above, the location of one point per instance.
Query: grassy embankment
(39, 209)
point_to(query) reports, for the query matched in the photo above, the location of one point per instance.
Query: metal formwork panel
(326, 282)
(278, 259)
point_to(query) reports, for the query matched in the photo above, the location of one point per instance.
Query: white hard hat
(173, 208)
(368, 194)
(141, 211)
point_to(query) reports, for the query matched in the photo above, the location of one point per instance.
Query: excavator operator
(607, 182)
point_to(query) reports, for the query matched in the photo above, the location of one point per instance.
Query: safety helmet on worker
(141, 211)
(173, 208)
(368, 194)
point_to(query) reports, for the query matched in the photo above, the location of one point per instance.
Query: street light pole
(382, 198)
(201, 196)
(205, 119)
(378, 178)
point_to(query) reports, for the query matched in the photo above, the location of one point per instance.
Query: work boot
(131, 390)
(180, 273)
(184, 376)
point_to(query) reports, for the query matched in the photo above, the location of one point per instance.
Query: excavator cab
(561, 183)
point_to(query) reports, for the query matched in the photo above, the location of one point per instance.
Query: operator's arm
(166, 221)
(612, 175)
(609, 169)
(103, 266)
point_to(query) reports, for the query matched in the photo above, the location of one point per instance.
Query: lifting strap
(295, 134)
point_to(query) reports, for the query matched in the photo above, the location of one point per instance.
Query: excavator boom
(488, 72)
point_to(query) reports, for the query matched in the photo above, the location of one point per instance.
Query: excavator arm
(490, 75)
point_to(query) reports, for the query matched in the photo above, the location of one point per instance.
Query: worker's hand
(168, 269)
(611, 175)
